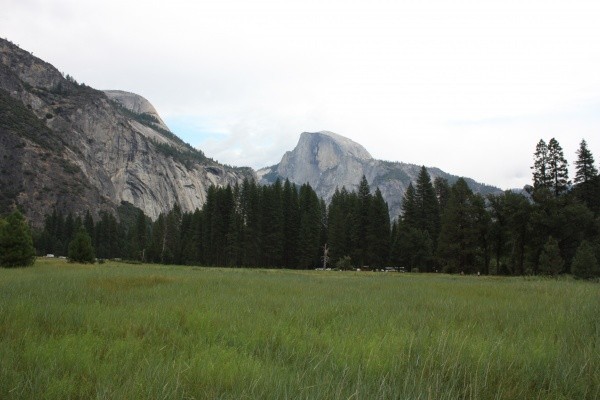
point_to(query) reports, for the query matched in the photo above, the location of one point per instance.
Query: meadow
(120, 331)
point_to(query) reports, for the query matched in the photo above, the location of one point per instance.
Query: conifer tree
(171, 253)
(310, 228)
(360, 238)
(541, 166)
(458, 241)
(442, 192)
(16, 244)
(272, 225)
(428, 213)
(557, 168)
(378, 231)
(409, 207)
(337, 226)
(291, 224)
(584, 166)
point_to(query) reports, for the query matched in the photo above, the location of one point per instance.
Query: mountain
(328, 161)
(69, 147)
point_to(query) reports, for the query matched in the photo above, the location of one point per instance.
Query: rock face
(69, 147)
(137, 104)
(328, 161)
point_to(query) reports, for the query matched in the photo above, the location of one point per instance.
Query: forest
(550, 227)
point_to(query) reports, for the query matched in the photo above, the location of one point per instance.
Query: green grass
(118, 331)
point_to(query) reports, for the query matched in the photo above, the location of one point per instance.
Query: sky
(467, 86)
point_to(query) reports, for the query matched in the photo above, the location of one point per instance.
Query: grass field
(118, 331)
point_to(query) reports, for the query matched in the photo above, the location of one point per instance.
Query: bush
(551, 263)
(344, 263)
(585, 264)
(80, 248)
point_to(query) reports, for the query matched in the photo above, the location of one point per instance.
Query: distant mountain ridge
(327, 161)
(69, 147)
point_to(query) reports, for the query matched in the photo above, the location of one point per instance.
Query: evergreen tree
(361, 243)
(551, 262)
(427, 207)
(557, 168)
(378, 231)
(442, 192)
(171, 253)
(250, 207)
(16, 244)
(585, 265)
(482, 225)
(508, 233)
(587, 188)
(310, 228)
(414, 248)
(139, 237)
(338, 226)
(272, 225)
(409, 207)
(155, 250)
(68, 232)
(458, 241)
(80, 248)
(584, 166)
(88, 223)
(291, 224)
(541, 166)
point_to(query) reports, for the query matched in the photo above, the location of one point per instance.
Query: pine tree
(310, 228)
(458, 241)
(442, 192)
(584, 166)
(364, 207)
(551, 262)
(80, 248)
(171, 253)
(428, 213)
(585, 265)
(541, 167)
(378, 231)
(291, 224)
(16, 244)
(482, 225)
(409, 207)
(557, 168)
(272, 228)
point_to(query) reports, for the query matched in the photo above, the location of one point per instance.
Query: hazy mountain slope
(96, 152)
(328, 161)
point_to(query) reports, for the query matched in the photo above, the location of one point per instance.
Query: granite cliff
(69, 147)
(328, 161)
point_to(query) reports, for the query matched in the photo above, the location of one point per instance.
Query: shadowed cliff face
(113, 147)
(328, 161)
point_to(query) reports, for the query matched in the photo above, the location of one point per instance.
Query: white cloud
(466, 86)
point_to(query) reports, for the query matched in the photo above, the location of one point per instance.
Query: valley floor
(119, 331)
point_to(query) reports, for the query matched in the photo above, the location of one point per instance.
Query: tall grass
(118, 331)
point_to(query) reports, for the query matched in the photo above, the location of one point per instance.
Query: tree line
(550, 227)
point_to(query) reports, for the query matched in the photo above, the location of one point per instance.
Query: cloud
(242, 80)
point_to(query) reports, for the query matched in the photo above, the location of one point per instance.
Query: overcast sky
(466, 86)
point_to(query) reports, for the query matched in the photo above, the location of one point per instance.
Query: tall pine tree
(428, 213)
(558, 171)
(458, 238)
(541, 167)
(585, 170)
